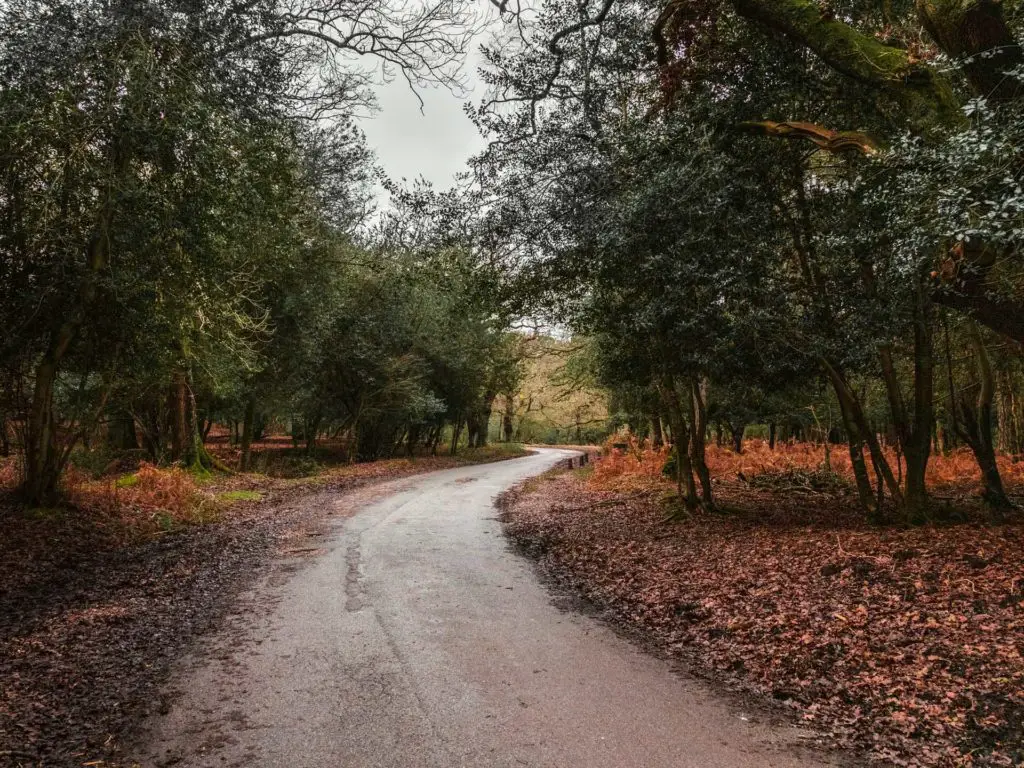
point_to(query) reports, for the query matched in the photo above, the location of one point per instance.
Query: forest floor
(100, 598)
(902, 643)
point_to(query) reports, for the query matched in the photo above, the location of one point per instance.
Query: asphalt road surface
(417, 639)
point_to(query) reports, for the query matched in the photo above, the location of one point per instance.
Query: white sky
(435, 143)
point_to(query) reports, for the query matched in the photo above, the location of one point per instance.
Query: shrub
(152, 499)
(92, 461)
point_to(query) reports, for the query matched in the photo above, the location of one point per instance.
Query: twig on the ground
(605, 503)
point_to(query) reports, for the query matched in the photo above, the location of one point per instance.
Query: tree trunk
(44, 456)
(923, 93)
(855, 442)
(698, 431)
(771, 435)
(1009, 426)
(975, 33)
(311, 427)
(412, 439)
(913, 432)
(456, 432)
(484, 426)
(506, 418)
(976, 300)
(658, 437)
(681, 435)
(42, 452)
(977, 428)
(684, 474)
(848, 400)
(152, 421)
(176, 401)
(915, 488)
(977, 433)
(248, 423)
(858, 430)
(917, 443)
(913, 438)
(736, 432)
(197, 457)
(121, 434)
(481, 421)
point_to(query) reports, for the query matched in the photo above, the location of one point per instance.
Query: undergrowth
(151, 499)
(133, 498)
(800, 467)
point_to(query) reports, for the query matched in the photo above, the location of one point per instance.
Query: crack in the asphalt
(353, 585)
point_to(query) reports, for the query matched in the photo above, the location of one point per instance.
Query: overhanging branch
(826, 139)
(923, 93)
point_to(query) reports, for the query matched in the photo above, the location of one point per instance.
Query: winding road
(417, 639)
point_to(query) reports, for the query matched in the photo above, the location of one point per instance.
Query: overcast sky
(435, 143)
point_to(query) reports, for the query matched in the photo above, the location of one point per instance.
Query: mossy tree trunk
(921, 91)
(681, 435)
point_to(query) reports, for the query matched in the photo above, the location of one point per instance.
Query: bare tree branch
(426, 43)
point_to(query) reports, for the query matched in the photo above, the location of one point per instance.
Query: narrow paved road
(418, 640)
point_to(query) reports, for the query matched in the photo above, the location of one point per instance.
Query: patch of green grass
(200, 474)
(229, 496)
(493, 452)
(291, 466)
(126, 481)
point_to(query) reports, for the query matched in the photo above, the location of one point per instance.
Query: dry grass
(639, 464)
(10, 473)
(150, 500)
(126, 506)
